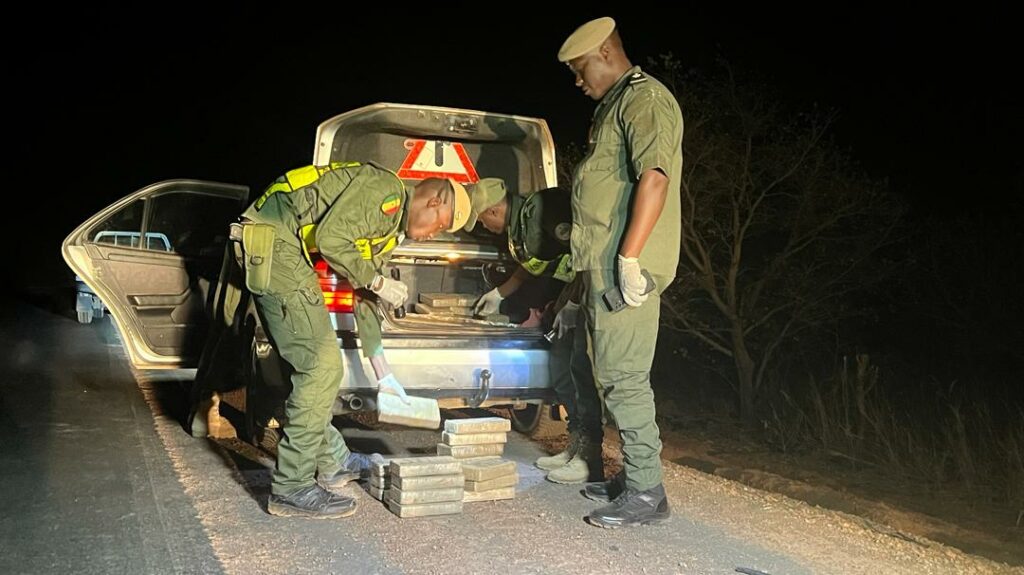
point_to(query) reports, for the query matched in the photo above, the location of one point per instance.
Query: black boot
(313, 501)
(633, 507)
(605, 490)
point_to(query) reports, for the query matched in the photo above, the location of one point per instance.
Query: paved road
(99, 477)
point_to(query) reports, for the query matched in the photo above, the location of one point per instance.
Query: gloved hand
(388, 384)
(632, 283)
(488, 303)
(565, 320)
(392, 291)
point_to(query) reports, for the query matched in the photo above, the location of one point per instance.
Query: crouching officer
(353, 215)
(538, 228)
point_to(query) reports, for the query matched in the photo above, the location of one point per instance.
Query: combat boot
(605, 490)
(586, 465)
(313, 501)
(633, 507)
(559, 459)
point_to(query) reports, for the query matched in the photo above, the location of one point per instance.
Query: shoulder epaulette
(637, 78)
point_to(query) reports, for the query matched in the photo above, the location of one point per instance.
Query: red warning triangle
(437, 159)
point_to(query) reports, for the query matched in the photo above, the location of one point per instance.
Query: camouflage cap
(483, 195)
(586, 38)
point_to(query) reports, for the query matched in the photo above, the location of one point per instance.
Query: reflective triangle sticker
(437, 159)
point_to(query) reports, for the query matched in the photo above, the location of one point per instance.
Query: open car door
(153, 258)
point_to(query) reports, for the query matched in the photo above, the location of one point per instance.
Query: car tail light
(338, 296)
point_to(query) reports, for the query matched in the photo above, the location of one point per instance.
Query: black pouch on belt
(258, 248)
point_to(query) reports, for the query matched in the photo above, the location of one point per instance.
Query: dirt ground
(716, 445)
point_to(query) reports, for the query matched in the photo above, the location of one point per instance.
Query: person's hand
(488, 303)
(565, 319)
(388, 384)
(392, 291)
(632, 282)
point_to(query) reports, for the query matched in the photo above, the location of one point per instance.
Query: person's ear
(433, 202)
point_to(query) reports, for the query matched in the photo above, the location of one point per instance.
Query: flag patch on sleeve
(391, 204)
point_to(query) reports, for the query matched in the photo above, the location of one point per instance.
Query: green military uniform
(352, 214)
(637, 126)
(539, 229)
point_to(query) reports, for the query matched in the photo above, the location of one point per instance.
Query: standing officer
(352, 214)
(538, 228)
(626, 218)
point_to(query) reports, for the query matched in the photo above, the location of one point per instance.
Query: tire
(85, 316)
(536, 421)
(527, 419)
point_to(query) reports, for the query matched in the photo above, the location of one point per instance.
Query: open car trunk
(423, 141)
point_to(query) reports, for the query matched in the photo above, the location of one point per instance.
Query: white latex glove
(632, 283)
(392, 291)
(488, 303)
(388, 384)
(565, 320)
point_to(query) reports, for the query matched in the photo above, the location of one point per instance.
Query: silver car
(181, 305)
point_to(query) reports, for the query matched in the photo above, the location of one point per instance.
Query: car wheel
(538, 421)
(527, 419)
(85, 316)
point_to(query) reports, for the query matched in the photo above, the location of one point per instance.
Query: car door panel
(156, 291)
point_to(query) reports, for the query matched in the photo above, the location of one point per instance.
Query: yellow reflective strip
(534, 266)
(389, 244)
(301, 177)
(564, 271)
(271, 190)
(307, 234)
(363, 245)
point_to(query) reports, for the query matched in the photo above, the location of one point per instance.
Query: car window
(188, 222)
(154, 241)
(122, 228)
(195, 224)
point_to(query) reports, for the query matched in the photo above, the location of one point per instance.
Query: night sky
(106, 102)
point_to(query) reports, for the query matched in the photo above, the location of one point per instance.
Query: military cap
(461, 207)
(485, 193)
(586, 38)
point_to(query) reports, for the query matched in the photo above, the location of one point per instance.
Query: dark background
(106, 101)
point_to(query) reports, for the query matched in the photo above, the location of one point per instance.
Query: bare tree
(779, 227)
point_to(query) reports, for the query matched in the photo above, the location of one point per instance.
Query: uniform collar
(406, 195)
(512, 219)
(618, 86)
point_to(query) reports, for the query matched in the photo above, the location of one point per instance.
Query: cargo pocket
(258, 247)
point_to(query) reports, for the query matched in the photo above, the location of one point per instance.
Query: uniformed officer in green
(353, 215)
(538, 227)
(626, 219)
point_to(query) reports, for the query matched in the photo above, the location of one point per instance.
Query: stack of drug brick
(419, 486)
(478, 443)
(454, 305)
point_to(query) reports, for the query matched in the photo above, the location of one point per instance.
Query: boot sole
(550, 467)
(340, 482)
(659, 518)
(287, 511)
(602, 499)
(565, 481)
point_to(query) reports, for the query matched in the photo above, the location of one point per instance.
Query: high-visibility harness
(563, 264)
(301, 177)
